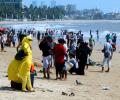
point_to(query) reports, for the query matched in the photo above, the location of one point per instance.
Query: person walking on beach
(107, 37)
(108, 53)
(68, 39)
(91, 42)
(59, 53)
(14, 38)
(97, 33)
(114, 38)
(2, 41)
(38, 36)
(45, 46)
(90, 33)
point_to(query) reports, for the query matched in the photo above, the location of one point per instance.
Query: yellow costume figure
(19, 71)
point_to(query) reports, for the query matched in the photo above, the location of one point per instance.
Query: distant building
(17, 4)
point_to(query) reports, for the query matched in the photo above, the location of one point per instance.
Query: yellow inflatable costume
(19, 71)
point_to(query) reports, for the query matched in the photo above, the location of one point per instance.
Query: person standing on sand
(97, 33)
(2, 41)
(14, 38)
(82, 54)
(68, 39)
(45, 46)
(91, 43)
(59, 53)
(19, 70)
(65, 60)
(38, 36)
(108, 53)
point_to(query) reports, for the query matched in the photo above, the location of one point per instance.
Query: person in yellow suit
(19, 70)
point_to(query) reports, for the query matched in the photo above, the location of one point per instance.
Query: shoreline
(58, 21)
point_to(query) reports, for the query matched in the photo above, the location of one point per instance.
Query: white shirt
(108, 47)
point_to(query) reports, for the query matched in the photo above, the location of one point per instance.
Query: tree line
(31, 12)
(44, 12)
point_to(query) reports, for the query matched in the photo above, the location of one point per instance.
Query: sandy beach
(95, 84)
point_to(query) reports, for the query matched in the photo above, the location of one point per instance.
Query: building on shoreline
(17, 4)
(9, 8)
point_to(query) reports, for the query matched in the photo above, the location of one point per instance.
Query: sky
(104, 5)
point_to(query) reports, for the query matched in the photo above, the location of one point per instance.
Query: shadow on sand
(4, 88)
(96, 71)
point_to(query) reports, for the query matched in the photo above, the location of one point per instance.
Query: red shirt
(59, 52)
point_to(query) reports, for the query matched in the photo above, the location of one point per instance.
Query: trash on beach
(43, 90)
(72, 94)
(105, 88)
(64, 93)
(49, 90)
(78, 82)
(68, 94)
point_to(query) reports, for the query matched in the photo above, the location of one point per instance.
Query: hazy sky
(105, 5)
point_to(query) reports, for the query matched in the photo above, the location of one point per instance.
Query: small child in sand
(65, 69)
(65, 59)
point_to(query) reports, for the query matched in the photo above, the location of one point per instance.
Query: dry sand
(92, 83)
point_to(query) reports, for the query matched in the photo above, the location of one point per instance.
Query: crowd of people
(68, 48)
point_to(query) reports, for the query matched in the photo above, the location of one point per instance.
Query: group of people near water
(69, 48)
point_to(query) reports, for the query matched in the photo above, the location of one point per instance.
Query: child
(65, 59)
(32, 74)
